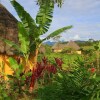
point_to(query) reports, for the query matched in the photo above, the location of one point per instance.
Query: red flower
(44, 60)
(39, 69)
(36, 74)
(33, 80)
(59, 62)
(92, 70)
(51, 68)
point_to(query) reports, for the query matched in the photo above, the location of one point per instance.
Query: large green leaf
(59, 2)
(28, 22)
(44, 16)
(57, 32)
(23, 39)
(13, 64)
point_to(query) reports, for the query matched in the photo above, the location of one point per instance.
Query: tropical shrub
(30, 30)
(80, 83)
(17, 86)
(44, 71)
(3, 89)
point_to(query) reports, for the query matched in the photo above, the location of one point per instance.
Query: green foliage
(48, 49)
(3, 90)
(57, 32)
(44, 16)
(28, 26)
(29, 32)
(43, 19)
(97, 46)
(78, 84)
(14, 64)
(19, 81)
(59, 2)
(23, 39)
(27, 21)
(77, 81)
(68, 59)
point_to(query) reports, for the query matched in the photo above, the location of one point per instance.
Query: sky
(84, 15)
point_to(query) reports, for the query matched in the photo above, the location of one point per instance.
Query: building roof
(58, 46)
(6, 15)
(70, 44)
(73, 45)
(8, 30)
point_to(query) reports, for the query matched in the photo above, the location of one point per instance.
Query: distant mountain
(49, 43)
(81, 41)
(52, 43)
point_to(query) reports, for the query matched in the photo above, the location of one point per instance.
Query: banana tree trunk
(33, 63)
(33, 59)
(30, 63)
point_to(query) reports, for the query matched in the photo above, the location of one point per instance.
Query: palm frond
(23, 39)
(59, 2)
(27, 20)
(57, 32)
(44, 16)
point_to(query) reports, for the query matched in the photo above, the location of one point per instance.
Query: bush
(80, 83)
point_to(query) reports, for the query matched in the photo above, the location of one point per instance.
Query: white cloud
(76, 37)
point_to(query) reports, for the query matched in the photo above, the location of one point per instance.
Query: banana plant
(31, 29)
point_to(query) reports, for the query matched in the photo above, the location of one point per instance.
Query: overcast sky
(84, 15)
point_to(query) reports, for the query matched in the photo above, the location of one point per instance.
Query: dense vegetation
(59, 76)
(54, 76)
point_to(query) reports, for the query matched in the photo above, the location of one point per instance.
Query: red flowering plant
(59, 62)
(92, 70)
(73, 84)
(44, 71)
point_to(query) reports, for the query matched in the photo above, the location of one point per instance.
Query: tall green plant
(30, 29)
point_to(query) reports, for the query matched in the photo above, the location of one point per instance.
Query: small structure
(58, 47)
(72, 45)
(8, 30)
